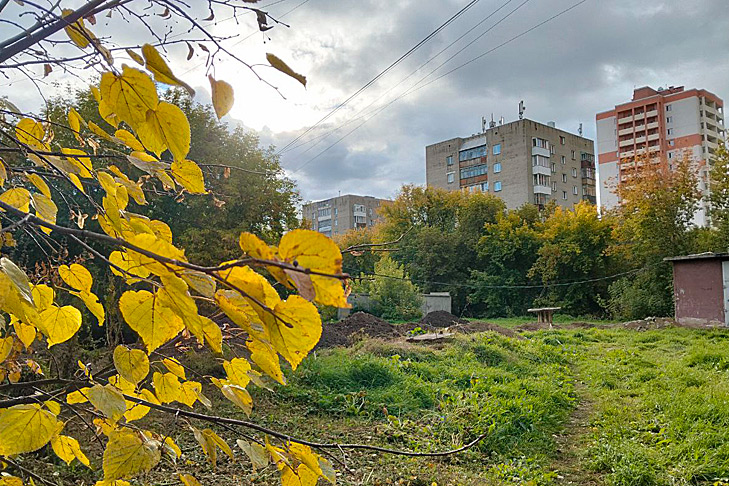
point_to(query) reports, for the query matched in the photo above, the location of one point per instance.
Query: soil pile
(441, 319)
(480, 326)
(649, 323)
(345, 332)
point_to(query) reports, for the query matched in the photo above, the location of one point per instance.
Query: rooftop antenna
(579, 130)
(483, 124)
(492, 123)
(521, 110)
(501, 120)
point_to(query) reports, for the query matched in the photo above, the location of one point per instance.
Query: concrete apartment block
(340, 214)
(660, 126)
(521, 162)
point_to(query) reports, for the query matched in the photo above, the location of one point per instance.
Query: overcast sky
(583, 62)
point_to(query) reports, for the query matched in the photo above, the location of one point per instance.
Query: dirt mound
(480, 326)
(532, 326)
(441, 319)
(649, 323)
(344, 332)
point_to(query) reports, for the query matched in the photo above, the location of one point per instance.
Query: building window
(574, 190)
(541, 180)
(540, 142)
(497, 186)
(670, 131)
(670, 155)
(561, 140)
(335, 211)
(540, 160)
(554, 187)
(554, 167)
(497, 167)
(564, 160)
(551, 149)
(485, 186)
(574, 172)
(325, 212)
(473, 153)
(449, 160)
(497, 149)
(669, 119)
(564, 177)
(668, 107)
(474, 171)
(564, 195)
(573, 155)
(451, 177)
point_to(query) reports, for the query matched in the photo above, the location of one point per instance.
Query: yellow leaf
(122, 384)
(237, 308)
(97, 130)
(129, 140)
(39, 183)
(255, 247)
(6, 346)
(239, 396)
(167, 387)
(188, 175)
(189, 480)
(132, 364)
(214, 438)
(174, 367)
(53, 406)
(108, 400)
(123, 261)
(82, 164)
(166, 126)
(75, 121)
(17, 197)
(200, 282)
(60, 323)
(10, 481)
(3, 173)
(68, 449)
(91, 301)
(129, 453)
(305, 455)
(213, 335)
(134, 189)
(284, 68)
(78, 396)
(26, 333)
(145, 162)
(266, 359)
(255, 452)
(77, 31)
(30, 132)
(312, 250)
(160, 69)
(18, 280)
(237, 371)
(300, 330)
(222, 94)
(45, 209)
(136, 57)
(25, 428)
(129, 96)
(170, 446)
(76, 182)
(136, 411)
(154, 323)
(189, 393)
(76, 276)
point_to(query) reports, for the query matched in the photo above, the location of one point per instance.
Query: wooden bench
(544, 314)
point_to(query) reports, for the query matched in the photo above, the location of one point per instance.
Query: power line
(416, 87)
(382, 73)
(356, 117)
(524, 287)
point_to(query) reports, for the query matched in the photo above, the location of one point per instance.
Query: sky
(567, 70)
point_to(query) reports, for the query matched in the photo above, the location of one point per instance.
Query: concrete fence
(433, 301)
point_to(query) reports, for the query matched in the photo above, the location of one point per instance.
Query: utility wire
(357, 117)
(382, 73)
(419, 86)
(369, 276)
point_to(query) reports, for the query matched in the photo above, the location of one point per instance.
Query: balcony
(653, 125)
(539, 169)
(654, 136)
(652, 113)
(625, 120)
(626, 143)
(625, 131)
(654, 148)
(544, 152)
(640, 139)
(539, 189)
(629, 153)
(639, 116)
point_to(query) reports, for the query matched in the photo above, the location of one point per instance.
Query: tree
(719, 198)
(70, 178)
(391, 292)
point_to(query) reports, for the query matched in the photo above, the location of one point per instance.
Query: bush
(393, 295)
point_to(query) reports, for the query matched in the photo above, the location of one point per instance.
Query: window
(497, 149)
(574, 172)
(573, 155)
(554, 187)
(473, 171)
(325, 212)
(541, 180)
(564, 160)
(360, 219)
(497, 186)
(473, 153)
(540, 142)
(554, 167)
(551, 149)
(574, 190)
(449, 160)
(335, 211)
(564, 177)
(540, 160)
(669, 119)
(670, 155)
(564, 195)
(485, 186)
(668, 107)
(451, 176)
(497, 167)
(671, 143)
(561, 140)
(670, 132)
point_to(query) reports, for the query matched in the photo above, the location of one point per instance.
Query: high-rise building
(521, 162)
(658, 127)
(340, 214)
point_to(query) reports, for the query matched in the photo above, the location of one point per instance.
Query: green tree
(719, 199)
(391, 292)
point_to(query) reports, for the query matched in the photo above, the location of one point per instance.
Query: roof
(474, 142)
(698, 256)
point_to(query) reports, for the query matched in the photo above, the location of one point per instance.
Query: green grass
(512, 322)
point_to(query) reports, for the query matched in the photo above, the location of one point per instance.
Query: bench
(544, 314)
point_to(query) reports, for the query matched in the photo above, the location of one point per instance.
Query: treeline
(497, 262)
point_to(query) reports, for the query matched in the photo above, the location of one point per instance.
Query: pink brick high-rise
(661, 124)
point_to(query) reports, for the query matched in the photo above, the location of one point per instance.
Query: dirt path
(571, 442)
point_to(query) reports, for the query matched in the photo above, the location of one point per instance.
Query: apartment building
(340, 214)
(658, 126)
(521, 162)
